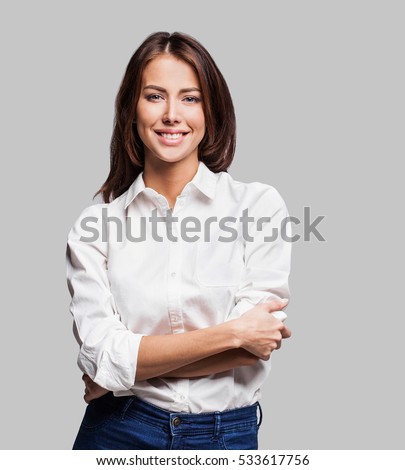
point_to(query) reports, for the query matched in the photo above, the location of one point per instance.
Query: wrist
(235, 333)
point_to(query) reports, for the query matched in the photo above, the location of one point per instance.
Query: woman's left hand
(92, 390)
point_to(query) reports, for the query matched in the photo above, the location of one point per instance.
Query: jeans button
(176, 421)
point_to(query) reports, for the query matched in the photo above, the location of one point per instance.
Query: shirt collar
(204, 180)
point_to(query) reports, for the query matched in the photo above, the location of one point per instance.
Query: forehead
(167, 70)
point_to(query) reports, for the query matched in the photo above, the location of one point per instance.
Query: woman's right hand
(261, 333)
(92, 390)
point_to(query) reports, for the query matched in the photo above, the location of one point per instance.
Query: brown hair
(217, 147)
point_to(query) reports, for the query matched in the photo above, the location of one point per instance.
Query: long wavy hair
(217, 147)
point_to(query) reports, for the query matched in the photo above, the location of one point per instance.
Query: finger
(89, 395)
(86, 380)
(275, 345)
(285, 332)
(277, 324)
(94, 387)
(88, 399)
(275, 305)
(93, 394)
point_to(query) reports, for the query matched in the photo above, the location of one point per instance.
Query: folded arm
(210, 365)
(215, 364)
(114, 357)
(110, 354)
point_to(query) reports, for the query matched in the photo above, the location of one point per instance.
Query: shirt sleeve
(108, 350)
(267, 256)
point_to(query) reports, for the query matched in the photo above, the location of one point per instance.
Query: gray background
(319, 93)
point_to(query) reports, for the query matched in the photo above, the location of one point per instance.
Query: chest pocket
(220, 263)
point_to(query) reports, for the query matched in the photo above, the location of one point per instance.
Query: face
(169, 116)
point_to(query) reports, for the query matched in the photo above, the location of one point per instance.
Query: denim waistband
(178, 423)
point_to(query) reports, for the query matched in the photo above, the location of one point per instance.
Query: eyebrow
(183, 90)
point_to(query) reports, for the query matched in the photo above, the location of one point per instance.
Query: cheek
(197, 120)
(145, 114)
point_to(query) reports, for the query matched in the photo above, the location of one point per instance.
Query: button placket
(183, 394)
(175, 299)
(176, 320)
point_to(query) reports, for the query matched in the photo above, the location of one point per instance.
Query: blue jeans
(118, 423)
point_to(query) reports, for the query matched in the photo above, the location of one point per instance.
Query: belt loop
(217, 425)
(260, 416)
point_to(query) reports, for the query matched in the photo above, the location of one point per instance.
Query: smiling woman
(175, 335)
(196, 69)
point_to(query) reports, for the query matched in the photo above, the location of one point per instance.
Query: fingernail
(284, 300)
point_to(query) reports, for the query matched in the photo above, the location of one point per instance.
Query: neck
(169, 178)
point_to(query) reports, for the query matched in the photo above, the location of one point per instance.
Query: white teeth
(171, 136)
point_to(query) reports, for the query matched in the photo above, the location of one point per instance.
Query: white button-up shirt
(200, 266)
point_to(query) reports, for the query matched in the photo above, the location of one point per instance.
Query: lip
(171, 131)
(170, 142)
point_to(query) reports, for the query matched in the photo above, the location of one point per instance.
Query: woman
(172, 314)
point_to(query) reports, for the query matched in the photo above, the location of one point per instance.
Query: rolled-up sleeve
(108, 349)
(267, 256)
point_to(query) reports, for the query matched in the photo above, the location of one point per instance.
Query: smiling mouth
(171, 136)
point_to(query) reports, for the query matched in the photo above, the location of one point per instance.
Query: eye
(192, 99)
(154, 97)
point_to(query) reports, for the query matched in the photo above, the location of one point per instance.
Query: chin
(169, 158)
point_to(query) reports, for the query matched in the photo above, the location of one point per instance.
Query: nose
(171, 112)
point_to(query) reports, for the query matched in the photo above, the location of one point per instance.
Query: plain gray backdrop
(318, 89)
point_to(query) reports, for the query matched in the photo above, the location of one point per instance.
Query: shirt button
(176, 421)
